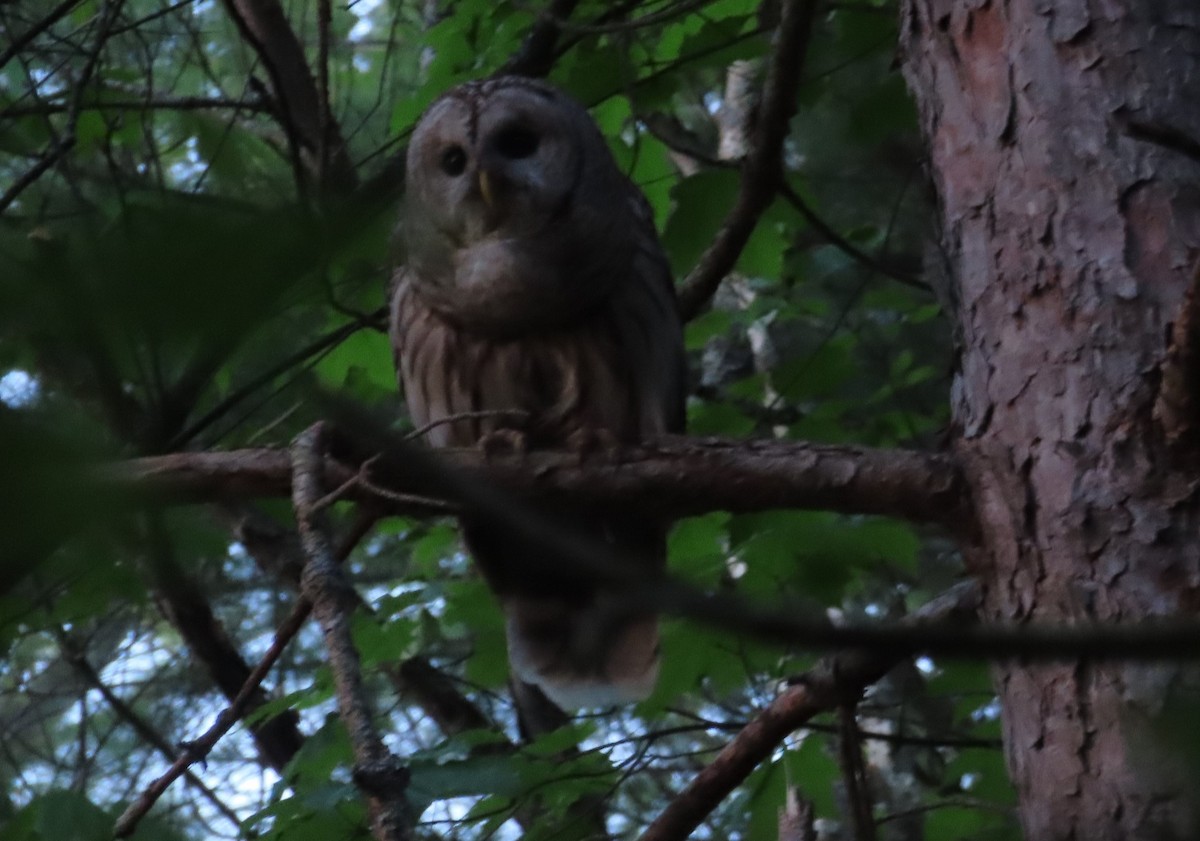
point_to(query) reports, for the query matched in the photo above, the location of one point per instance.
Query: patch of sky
(18, 388)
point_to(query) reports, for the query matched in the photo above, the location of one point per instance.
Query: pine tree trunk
(1064, 141)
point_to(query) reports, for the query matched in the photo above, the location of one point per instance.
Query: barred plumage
(534, 282)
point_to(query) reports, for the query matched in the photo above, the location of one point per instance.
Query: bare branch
(836, 681)
(377, 771)
(537, 53)
(183, 604)
(671, 477)
(763, 168)
(265, 27)
(21, 41)
(276, 549)
(180, 103)
(854, 773)
(67, 142)
(140, 725)
(850, 249)
(398, 463)
(197, 750)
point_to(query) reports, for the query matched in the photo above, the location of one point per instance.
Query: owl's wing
(622, 369)
(667, 388)
(568, 637)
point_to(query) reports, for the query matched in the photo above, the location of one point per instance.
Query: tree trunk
(1064, 140)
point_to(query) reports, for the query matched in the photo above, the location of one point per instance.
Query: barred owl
(534, 282)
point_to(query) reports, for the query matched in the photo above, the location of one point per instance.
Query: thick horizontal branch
(858, 480)
(671, 477)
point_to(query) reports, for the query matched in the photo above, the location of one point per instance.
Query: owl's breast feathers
(565, 314)
(619, 367)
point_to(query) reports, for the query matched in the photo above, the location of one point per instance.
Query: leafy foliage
(168, 281)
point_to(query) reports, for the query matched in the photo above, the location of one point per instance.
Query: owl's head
(512, 195)
(500, 155)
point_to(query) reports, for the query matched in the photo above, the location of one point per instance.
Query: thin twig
(140, 725)
(840, 242)
(181, 103)
(21, 41)
(196, 751)
(67, 142)
(362, 481)
(509, 414)
(836, 681)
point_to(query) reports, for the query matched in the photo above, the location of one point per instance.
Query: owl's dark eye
(515, 142)
(453, 161)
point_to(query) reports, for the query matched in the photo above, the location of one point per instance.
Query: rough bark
(671, 477)
(1062, 136)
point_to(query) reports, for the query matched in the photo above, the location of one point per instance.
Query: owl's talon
(592, 444)
(500, 443)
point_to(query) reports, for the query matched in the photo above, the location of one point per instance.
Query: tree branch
(183, 604)
(197, 750)
(180, 103)
(276, 550)
(264, 26)
(145, 730)
(670, 477)
(537, 53)
(21, 41)
(763, 168)
(838, 680)
(854, 774)
(470, 490)
(64, 144)
(377, 772)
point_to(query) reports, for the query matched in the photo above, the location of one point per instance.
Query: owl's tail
(591, 655)
(575, 640)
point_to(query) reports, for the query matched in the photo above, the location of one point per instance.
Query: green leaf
(701, 203)
(697, 546)
(440, 541)
(471, 606)
(363, 359)
(491, 774)
(383, 642)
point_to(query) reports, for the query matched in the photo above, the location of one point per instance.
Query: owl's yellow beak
(485, 188)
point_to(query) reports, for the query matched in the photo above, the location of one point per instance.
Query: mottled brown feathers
(535, 283)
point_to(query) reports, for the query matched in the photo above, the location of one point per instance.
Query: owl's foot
(594, 444)
(500, 443)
